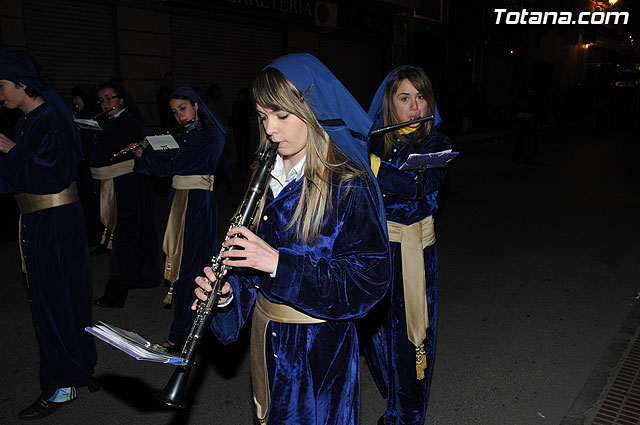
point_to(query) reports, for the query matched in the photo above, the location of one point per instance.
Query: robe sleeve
(199, 155)
(412, 184)
(49, 170)
(228, 321)
(349, 281)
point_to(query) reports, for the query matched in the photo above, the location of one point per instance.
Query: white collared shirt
(118, 114)
(279, 180)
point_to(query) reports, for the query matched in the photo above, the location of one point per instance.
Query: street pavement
(539, 266)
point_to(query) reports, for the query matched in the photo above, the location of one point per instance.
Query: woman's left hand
(255, 253)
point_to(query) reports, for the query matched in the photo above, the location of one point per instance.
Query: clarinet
(174, 392)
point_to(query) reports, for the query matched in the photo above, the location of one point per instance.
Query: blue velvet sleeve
(347, 271)
(228, 321)
(412, 185)
(48, 167)
(199, 153)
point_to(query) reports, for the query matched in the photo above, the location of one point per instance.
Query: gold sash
(108, 210)
(264, 312)
(413, 239)
(173, 241)
(30, 202)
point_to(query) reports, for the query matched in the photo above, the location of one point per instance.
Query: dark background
(537, 229)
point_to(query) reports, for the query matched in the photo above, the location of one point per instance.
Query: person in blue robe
(190, 240)
(399, 337)
(40, 167)
(125, 198)
(319, 258)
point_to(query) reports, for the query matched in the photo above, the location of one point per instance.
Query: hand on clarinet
(142, 145)
(204, 285)
(253, 253)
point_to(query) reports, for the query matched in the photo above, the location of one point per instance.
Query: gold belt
(264, 312)
(108, 210)
(413, 239)
(196, 181)
(173, 241)
(31, 202)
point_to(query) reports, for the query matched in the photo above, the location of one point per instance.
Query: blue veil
(202, 105)
(21, 66)
(338, 112)
(375, 110)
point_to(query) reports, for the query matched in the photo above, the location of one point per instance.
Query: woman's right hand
(143, 145)
(204, 285)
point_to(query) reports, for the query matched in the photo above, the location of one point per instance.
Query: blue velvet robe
(389, 353)
(199, 153)
(55, 249)
(315, 378)
(135, 257)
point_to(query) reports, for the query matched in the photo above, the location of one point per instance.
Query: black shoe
(103, 302)
(41, 408)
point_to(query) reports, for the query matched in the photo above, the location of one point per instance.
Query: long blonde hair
(421, 82)
(326, 165)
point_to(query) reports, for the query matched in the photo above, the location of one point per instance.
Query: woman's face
(409, 103)
(287, 129)
(183, 110)
(78, 103)
(108, 99)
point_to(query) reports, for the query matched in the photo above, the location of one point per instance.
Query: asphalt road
(539, 267)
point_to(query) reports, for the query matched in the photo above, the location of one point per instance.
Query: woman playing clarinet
(319, 257)
(399, 338)
(190, 240)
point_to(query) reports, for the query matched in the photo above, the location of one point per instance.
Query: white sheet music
(133, 344)
(162, 142)
(87, 124)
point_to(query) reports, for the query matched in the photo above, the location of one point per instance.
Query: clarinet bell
(175, 392)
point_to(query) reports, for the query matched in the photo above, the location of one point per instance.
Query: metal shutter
(207, 51)
(75, 40)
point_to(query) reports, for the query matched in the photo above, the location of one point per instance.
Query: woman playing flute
(190, 240)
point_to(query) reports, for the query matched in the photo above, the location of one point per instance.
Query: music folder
(162, 142)
(423, 161)
(133, 344)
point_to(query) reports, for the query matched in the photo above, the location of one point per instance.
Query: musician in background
(84, 99)
(125, 198)
(40, 166)
(190, 239)
(319, 258)
(399, 338)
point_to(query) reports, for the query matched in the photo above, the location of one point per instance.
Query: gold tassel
(262, 421)
(169, 297)
(167, 271)
(110, 244)
(104, 236)
(421, 361)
